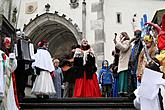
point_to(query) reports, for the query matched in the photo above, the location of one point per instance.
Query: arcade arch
(57, 30)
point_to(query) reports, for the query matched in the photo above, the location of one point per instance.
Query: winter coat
(125, 52)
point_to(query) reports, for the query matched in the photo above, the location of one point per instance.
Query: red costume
(161, 33)
(86, 84)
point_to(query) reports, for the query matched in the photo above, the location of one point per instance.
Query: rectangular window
(118, 17)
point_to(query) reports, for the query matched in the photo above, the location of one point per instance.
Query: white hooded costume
(147, 94)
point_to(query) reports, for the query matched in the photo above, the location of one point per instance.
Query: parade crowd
(77, 75)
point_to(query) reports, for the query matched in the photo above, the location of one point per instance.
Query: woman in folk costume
(142, 60)
(86, 84)
(7, 66)
(125, 50)
(43, 85)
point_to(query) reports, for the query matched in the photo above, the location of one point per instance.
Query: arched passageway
(60, 32)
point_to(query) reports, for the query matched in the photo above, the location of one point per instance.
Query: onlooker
(125, 50)
(57, 79)
(105, 79)
(115, 54)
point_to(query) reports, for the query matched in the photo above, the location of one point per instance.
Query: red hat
(41, 43)
(7, 42)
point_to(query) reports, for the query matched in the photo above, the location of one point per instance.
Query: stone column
(99, 32)
(1, 6)
(84, 19)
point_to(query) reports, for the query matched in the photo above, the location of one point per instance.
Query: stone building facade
(61, 22)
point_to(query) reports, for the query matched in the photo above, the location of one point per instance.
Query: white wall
(4, 8)
(127, 8)
(63, 7)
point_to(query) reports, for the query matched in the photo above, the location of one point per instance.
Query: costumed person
(125, 50)
(7, 66)
(160, 41)
(86, 84)
(106, 79)
(69, 79)
(68, 72)
(148, 93)
(6, 48)
(23, 51)
(43, 86)
(57, 79)
(160, 31)
(133, 61)
(142, 60)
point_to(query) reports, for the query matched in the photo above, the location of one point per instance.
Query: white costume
(147, 93)
(43, 83)
(83, 53)
(7, 66)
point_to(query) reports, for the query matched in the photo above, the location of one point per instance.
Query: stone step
(77, 103)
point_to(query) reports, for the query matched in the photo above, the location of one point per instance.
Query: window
(118, 17)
